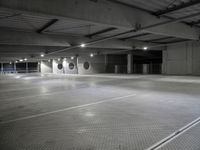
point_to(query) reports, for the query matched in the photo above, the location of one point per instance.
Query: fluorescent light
(42, 55)
(16, 61)
(72, 57)
(10, 63)
(58, 59)
(25, 59)
(145, 48)
(91, 55)
(82, 45)
(21, 60)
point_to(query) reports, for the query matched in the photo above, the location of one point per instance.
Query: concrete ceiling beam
(102, 13)
(17, 38)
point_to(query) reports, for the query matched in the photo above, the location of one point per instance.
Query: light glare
(91, 55)
(82, 45)
(145, 48)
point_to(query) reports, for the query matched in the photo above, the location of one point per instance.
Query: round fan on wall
(71, 66)
(86, 65)
(60, 66)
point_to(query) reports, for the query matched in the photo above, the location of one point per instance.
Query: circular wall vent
(71, 66)
(86, 65)
(60, 66)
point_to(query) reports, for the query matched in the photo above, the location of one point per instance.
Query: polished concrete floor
(98, 112)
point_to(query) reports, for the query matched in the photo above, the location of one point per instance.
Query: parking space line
(66, 109)
(174, 135)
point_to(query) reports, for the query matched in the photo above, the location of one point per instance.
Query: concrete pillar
(106, 62)
(145, 68)
(26, 67)
(130, 63)
(15, 70)
(116, 69)
(164, 62)
(39, 66)
(77, 64)
(151, 68)
(1, 67)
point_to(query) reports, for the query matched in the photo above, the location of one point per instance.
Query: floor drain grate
(174, 135)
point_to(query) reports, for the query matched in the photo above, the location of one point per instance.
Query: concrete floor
(102, 112)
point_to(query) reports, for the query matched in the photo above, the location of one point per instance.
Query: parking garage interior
(99, 75)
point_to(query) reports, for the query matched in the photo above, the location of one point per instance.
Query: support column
(164, 61)
(1, 67)
(106, 62)
(41, 66)
(15, 70)
(151, 68)
(145, 68)
(130, 63)
(77, 63)
(26, 67)
(38, 67)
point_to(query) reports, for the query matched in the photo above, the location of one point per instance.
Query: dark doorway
(118, 62)
(32, 67)
(152, 60)
(21, 67)
(7, 67)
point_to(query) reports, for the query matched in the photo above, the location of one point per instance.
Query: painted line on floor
(174, 135)
(66, 109)
(32, 96)
(49, 93)
(44, 94)
(112, 76)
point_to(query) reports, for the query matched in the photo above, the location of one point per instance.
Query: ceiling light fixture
(145, 48)
(91, 55)
(82, 45)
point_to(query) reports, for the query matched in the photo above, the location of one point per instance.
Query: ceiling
(72, 30)
(157, 6)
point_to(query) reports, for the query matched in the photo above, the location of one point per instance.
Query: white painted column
(106, 62)
(77, 63)
(39, 66)
(145, 68)
(26, 67)
(130, 63)
(15, 69)
(164, 62)
(1, 67)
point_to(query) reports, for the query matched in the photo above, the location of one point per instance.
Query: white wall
(66, 68)
(196, 59)
(55, 67)
(46, 67)
(182, 59)
(97, 64)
